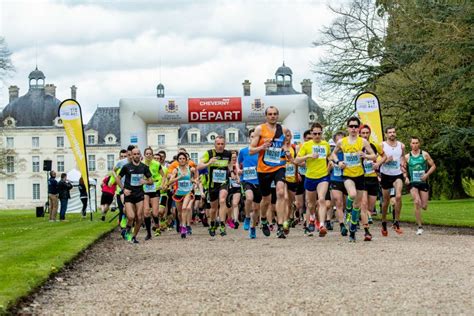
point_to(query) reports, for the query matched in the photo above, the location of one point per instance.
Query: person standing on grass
(416, 178)
(64, 186)
(83, 196)
(52, 195)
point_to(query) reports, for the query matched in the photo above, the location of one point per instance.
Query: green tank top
(417, 167)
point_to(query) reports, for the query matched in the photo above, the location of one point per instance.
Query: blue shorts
(311, 184)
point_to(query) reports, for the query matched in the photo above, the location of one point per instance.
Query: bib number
(250, 173)
(184, 185)
(337, 171)
(219, 176)
(302, 170)
(272, 155)
(368, 166)
(321, 151)
(393, 165)
(290, 170)
(135, 179)
(417, 174)
(351, 159)
(150, 188)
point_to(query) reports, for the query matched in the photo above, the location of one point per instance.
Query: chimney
(270, 87)
(73, 92)
(307, 87)
(13, 92)
(246, 84)
(50, 89)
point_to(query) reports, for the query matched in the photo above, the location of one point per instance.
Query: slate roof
(105, 120)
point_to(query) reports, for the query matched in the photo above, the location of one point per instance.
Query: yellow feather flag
(368, 107)
(70, 113)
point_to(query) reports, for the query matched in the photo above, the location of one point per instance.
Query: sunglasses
(272, 114)
(353, 126)
(316, 133)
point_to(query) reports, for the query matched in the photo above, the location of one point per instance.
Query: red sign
(214, 110)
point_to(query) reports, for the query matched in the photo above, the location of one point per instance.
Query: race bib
(302, 170)
(321, 151)
(219, 176)
(233, 183)
(368, 166)
(135, 179)
(351, 159)
(272, 155)
(290, 170)
(337, 171)
(184, 185)
(393, 165)
(250, 173)
(150, 188)
(417, 174)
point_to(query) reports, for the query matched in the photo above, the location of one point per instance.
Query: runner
(152, 190)
(249, 179)
(391, 168)
(315, 153)
(338, 191)
(234, 192)
(125, 156)
(300, 201)
(268, 143)
(184, 177)
(135, 175)
(217, 162)
(108, 192)
(291, 183)
(353, 172)
(160, 223)
(371, 182)
(416, 178)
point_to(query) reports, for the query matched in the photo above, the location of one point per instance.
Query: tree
(6, 67)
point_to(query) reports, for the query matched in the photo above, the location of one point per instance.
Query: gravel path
(428, 274)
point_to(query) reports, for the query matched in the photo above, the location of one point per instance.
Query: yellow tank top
(290, 173)
(351, 157)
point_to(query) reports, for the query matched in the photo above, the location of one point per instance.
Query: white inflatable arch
(137, 113)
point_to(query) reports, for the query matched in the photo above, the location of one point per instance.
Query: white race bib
(321, 151)
(302, 170)
(368, 166)
(219, 176)
(351, 159)
(272, 155)
(290, 170)
(150, 188)
(417, 174)
(393, 165)
(184, 185)
(337, 171)
(250, 173)
(135, 179)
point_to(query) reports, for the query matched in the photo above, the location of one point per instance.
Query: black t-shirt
(133, 174)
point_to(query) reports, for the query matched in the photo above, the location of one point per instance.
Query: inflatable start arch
(137, 113)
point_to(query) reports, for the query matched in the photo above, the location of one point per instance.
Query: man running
(217, 162)
(352, 147)
(268, 142)
(136, 174)
(391, 168)
(249, 179)
(416, 178)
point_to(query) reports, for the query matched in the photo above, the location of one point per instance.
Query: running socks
(354, 218)
(349, 203)
(148, 225)
(156, 220)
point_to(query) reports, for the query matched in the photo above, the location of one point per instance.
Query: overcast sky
(114, 49)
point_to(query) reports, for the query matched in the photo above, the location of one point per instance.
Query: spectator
(52, 196)
(83, 196)
(64, 186)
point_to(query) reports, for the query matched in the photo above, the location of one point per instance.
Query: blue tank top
(184, 184)
(336, 172)
(249, 166)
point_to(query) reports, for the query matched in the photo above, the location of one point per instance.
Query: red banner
(214, 110)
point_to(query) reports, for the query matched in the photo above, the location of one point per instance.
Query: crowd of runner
(272, 184)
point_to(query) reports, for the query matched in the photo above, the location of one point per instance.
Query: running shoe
(134, 240)
(352, 237)
(148, 237)
(230, 223)
(384, 232)
(204, 221)
(286, 227)
(183, 231)
(212, 231)
(371, 221)
(329, 225)
(398, 230)
(253, 233)
(322, 231)
(123, 233)
(157, 232)
(222, 231)
(311, 227)
(367, 236)
(419, 231)
(280, 233)
(344, 230)
(247, 223)
(265, 229)
(189, 230)
(236, 224)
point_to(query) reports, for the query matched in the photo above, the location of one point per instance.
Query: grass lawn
(449, 213)
(32, 248)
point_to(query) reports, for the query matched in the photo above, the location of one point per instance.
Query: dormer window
(9, 122)
(92, 137)
(91, 140)
(58, 122)
(194, 135)
(110, 139)
(211, 137)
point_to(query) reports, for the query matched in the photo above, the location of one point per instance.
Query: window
(36, 163)
(161, 140)
(194, 138)
(35, 142)
(91, 139)
(60, 166)
(110, 162)
(10, 191)
(194, 157)
(91, 162)
(36, 191)
(10, 142)
(60, 141)
(231, 138)
(10, 164)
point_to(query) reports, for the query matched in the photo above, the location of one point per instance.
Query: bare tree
(6, 67)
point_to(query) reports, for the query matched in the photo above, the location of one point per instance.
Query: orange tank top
(273, 158)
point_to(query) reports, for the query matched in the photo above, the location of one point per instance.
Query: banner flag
(70, 113)
(368, 107)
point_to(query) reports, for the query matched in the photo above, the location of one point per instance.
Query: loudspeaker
(47, 164)
(40, 211)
